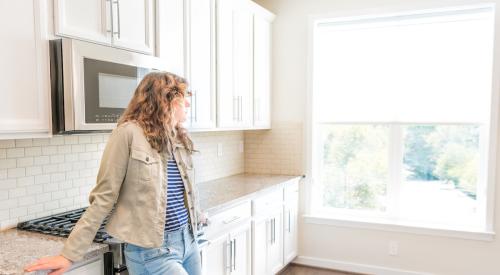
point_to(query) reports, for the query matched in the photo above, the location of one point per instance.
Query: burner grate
(62, 224)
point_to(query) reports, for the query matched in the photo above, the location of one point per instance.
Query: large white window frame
(336, 218)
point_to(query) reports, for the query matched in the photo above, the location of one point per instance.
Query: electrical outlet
(241, 146)
(219, 149)
(393, 248)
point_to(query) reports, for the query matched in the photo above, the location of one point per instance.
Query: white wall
(351, 248)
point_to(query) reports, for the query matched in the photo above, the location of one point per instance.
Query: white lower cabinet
(290, 233)
(267, 240)
(214, 256)
(229, 253)
(257, 237)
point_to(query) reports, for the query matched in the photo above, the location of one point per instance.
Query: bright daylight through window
(401, 114)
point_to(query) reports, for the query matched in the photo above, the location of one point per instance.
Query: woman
(145, 185)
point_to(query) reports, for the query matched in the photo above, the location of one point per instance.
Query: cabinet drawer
(268, 201)
(227, 219)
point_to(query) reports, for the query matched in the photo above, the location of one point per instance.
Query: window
(401, 114)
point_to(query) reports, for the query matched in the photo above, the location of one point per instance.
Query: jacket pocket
(145, 164)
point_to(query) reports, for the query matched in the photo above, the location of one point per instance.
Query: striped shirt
(177, 214)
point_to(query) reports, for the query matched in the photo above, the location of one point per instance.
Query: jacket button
(189, 192)
(147, 158)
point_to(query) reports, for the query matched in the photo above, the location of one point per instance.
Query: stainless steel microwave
(91, 85)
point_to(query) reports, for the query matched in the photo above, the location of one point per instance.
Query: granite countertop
(19, 248)
(216, 195)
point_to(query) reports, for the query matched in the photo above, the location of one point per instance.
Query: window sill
(401, 228)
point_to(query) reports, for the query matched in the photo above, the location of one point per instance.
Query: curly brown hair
(151, 107)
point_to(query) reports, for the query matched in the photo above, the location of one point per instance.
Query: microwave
(91, 84)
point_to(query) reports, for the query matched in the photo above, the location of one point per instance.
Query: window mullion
(395, 160)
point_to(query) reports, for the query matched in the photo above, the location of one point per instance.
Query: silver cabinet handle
(235, 108)
(195, 108)
(234, 254)
(117, 2)
(229, 259)
(272, 231)
(110, 5)
(241, 108)
(234, 218)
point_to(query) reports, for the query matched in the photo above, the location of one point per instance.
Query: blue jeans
(179, 255)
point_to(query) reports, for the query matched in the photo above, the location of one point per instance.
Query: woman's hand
(58, 265)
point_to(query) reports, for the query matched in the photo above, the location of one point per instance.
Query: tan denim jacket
(132, 179)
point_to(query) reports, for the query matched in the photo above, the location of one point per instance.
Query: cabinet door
(133, 24)
(240, 250)
(83, 19)
(243, 62)
(290, 232)
(24, 89)
(201, 60)
(262, 72)
(235, 63)
(275, 249)
(259, 246)
(170, 36)
(226, 100)
(215, 256)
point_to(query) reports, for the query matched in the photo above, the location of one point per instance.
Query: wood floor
(295, 269)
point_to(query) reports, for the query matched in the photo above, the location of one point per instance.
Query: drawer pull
(231, 220)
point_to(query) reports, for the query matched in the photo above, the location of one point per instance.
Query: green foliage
(355, 161)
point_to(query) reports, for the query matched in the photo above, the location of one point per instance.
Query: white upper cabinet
(200, 17)
(25, 105)
(170, 36)
(235, 63)
(133, 24)
(244, 65)
(262, 68)
(127, 24)
(85, 19)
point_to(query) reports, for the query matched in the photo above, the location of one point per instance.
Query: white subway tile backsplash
(57, 140)
(90, 147)
(78, 148)
(18, 212)
(71, 139)
(41, 160)
(39, 177)
(10, 143)
(24, 142)
(17, 192)
(7, 163)
(64, 149)
(25, 162)
(84, 139)
(26, 200)
(49, 150)
(40, 141)
(3, 174)
(44, 197)
(33, 151)
(16, 172)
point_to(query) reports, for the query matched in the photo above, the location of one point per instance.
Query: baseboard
(352, 267)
